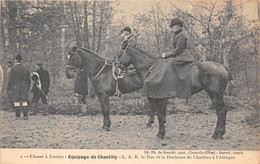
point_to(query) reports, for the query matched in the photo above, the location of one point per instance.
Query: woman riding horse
(179, 43)
(209, 76)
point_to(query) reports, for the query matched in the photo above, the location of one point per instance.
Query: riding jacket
(179, 48)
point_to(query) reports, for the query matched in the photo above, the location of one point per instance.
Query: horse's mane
(143, 52)
(87, 50)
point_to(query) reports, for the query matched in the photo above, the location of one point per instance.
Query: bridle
(77, 70)
(81, 69)
(122, 58)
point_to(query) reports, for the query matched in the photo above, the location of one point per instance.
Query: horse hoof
(217, 136)
(105, 128)
(159, 135)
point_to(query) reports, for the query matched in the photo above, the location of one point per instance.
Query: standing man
(40, 88)
(81, 91)
(9, 66)
(18, 87)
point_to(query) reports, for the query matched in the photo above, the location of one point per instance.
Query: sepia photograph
(149, 77)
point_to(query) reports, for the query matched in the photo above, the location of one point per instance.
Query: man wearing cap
(40, 88)
(127, 39)
(179, 43)
(18, 87)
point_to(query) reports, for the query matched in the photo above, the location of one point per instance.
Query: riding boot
(45, 109)
(117, 93)
(35, 109)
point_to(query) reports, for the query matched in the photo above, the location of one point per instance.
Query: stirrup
(117, 93)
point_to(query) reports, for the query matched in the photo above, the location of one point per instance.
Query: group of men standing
(18, 87)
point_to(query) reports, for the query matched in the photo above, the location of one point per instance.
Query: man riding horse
(128, 39)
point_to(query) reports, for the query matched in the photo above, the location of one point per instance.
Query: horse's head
(74, 62)
(139, 58)
(125, 58)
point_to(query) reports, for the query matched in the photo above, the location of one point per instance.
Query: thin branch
(204, 45)
(211, 12)
(208, 28)
(161, 12)
(200, 6)
(189, 15)
(240, 4)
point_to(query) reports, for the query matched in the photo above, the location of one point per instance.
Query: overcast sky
(130, 7)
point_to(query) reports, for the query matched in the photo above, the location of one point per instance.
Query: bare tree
(86, 28)
(94, 25)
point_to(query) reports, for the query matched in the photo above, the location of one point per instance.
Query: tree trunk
(94, 26)
(12, 13)
(3, 47)
(79, 41)
(246, 77)
(86, 29)
(156, 32)
(258, 9)
(100, 27)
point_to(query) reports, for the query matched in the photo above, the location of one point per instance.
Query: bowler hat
(10, 63)
(128, 29)
(175, 21)
(39, 63)
(18, 57)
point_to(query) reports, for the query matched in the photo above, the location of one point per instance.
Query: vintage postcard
(128, 81)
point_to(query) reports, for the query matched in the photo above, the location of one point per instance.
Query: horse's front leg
(104, 102)
(151, 115)
(160, 107)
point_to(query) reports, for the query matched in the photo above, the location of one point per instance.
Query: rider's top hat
(175, 21)
(18, 57)
(128, 29)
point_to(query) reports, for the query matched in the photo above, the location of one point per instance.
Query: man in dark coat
(40, 88)
(81, 91)
(179, 43)
(127, 39)
(10, 65)
(18, 87)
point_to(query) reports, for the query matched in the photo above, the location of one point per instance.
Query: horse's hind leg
(104, 102)
(219, 105)
(151, 114)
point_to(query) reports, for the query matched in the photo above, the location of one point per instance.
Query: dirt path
(183, 131)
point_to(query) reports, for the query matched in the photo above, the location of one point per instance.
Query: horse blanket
(168, 78)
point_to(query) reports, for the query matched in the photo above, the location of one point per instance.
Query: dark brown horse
(209, 76)
(100, 73)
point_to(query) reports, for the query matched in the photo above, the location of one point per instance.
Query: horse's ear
(73, 46)
(74, 49)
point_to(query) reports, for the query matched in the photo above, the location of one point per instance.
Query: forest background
(222, 31)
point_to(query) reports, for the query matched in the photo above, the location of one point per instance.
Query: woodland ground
(189, 126)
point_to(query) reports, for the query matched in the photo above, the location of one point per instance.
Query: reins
(103, 67)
